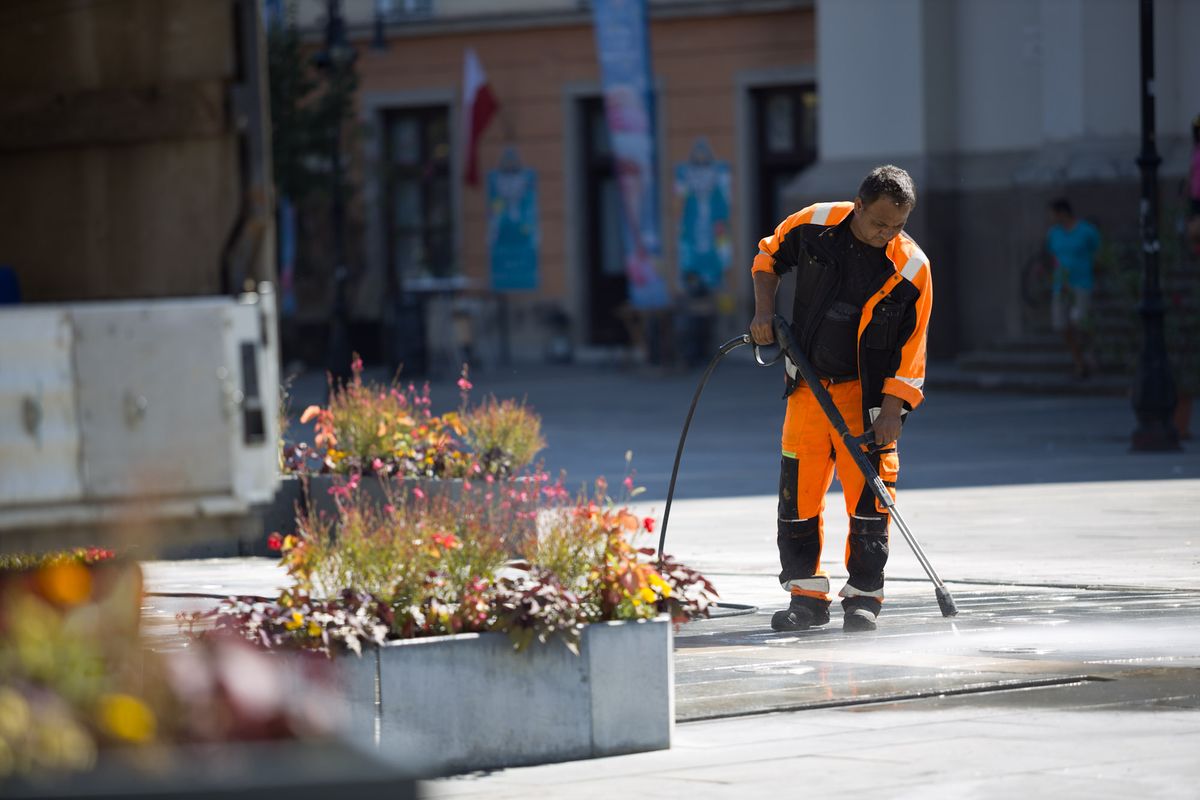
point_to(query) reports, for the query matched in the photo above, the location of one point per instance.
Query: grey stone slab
(631, 674)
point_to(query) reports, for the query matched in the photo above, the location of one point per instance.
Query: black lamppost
(1154, 390)
(337, 56)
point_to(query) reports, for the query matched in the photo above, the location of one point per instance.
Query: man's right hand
(762, 329)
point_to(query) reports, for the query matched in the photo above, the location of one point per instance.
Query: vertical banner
(623, 45)
(703, 186)
(513, 226)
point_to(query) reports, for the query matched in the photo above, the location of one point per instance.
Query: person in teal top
(1072, 242)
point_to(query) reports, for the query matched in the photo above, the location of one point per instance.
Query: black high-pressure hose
(726, 348)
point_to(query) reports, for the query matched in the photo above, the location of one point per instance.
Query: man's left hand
(887, 425)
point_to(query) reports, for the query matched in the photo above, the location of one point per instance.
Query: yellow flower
(127, 718)
(295, 622)
(314, 630)
(647, 594)
(14, 714)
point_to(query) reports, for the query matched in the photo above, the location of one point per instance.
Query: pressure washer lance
(855, 445)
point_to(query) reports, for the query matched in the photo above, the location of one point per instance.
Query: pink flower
(465, 385)
(389, 509)
(628, 482)
(466, 484)
(356, 365)
(490, 479)
(420, 495)
(377, 465)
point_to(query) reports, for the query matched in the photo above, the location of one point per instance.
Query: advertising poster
(623, 44)
(513, 226)
(703, 186)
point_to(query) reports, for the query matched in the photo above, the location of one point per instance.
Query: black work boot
(801, 614)
(858, 620)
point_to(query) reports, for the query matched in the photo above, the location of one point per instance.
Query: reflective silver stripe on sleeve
(916, 383)
(821, 213)
(819, 583)
(912, 267)
(791, 369)
(765, 253)
(850, 591)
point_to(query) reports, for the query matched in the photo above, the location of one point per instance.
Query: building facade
(994, 107)
(733, 78)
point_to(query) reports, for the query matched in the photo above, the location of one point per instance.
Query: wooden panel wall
(118, 168)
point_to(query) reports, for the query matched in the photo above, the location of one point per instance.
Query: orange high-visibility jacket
(895, 319)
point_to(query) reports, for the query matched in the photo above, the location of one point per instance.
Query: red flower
(445, 540)
(275, 542)
(648, 524)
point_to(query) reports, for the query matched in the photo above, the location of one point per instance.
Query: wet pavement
(1005, 638)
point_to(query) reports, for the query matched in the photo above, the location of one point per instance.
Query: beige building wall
(703, 67)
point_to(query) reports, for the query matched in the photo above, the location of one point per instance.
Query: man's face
(878, 223)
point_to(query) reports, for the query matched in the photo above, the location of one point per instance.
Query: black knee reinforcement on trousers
(799, 543)
(868, 552)
(789, 476)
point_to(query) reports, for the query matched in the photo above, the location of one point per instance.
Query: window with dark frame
(785, 123)
(417, 197)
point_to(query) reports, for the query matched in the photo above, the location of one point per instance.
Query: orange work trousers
(811, 450)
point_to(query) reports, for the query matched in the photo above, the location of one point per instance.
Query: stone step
(945, 376)
(1016, 361)
(1039, 342)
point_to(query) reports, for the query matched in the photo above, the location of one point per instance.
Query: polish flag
(479, 106)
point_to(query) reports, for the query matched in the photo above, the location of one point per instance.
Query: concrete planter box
(459, 703)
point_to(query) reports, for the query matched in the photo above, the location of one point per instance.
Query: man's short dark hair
(1061, 205)
(891, 181)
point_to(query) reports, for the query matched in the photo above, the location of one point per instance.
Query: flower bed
(424, 589)
(373, 435)
(390, 431)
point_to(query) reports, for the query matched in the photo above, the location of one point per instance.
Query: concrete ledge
(457, 703)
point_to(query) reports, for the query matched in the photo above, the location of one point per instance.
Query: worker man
(863, 297)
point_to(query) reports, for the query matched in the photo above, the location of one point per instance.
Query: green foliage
(389, 430)
(381, 430)
(16, 562)
(505, 435)
(307, 111)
